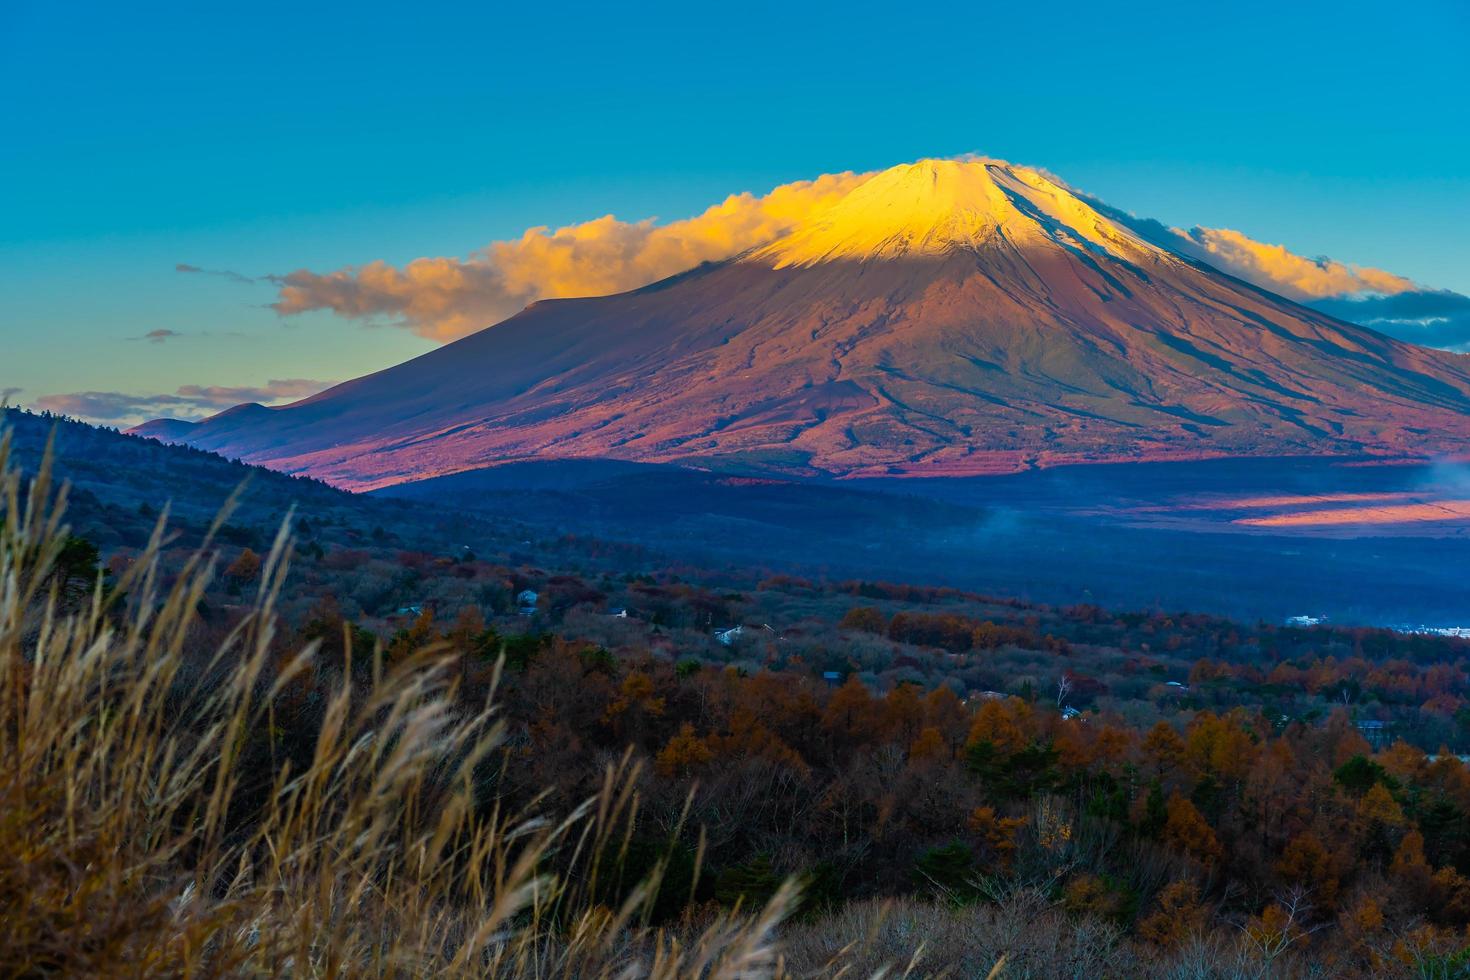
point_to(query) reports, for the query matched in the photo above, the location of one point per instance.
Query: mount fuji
(943, 318)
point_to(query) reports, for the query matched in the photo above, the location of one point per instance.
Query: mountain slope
(945, 317)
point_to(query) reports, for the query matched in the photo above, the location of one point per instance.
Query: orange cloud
(447, 298)
(1275, 268)
(1409, 513)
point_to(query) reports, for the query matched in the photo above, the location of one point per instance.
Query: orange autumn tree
(683, 754)
(748, 737)
(1410, 869)
(1221, 746)
(636, 702)
(1186, 830)
(944, 711)
(929, 746)
(1178, 915)
(245, 568)
(999, 723)
(903, 713)
(1305, 861)
(1163, 748)
(852, 717)
(997, 834)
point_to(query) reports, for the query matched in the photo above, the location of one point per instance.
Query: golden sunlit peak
(936, 206)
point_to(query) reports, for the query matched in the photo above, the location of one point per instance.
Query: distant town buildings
(1457, 632)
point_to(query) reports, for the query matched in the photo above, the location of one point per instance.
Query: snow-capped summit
(936, 206)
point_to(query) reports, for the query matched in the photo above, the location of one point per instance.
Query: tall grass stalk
(137, 837)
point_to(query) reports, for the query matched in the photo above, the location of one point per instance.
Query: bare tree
(1064, 687)
(1277, 932)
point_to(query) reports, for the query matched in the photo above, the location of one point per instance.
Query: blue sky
(269, 138)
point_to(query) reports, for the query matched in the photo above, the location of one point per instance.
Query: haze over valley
(1069, 379)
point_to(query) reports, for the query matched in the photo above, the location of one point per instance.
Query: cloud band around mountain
(189, 402)
(445, 298)
(1276, 268)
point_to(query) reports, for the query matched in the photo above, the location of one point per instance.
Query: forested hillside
(1124, 792)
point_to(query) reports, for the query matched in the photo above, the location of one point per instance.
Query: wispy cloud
(6, 394)
(1432, 317)
(229, 274)
(189, 402)
(447, 298)
(159, 336)
(163, 335)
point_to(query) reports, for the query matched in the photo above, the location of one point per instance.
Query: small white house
(1378, 733)
(731, 634)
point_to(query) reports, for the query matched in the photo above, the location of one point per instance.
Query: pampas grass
(141, 833)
